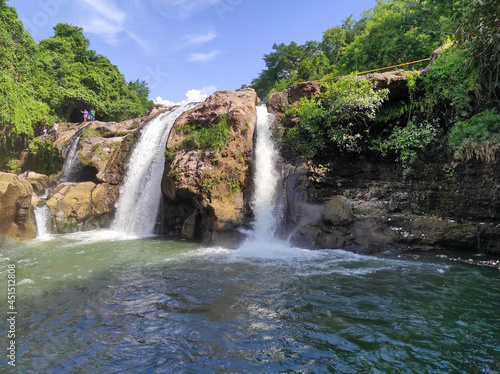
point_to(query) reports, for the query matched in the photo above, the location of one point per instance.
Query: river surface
(99, 302)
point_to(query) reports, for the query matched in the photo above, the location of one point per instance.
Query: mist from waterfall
(42, 214)
(138, 203)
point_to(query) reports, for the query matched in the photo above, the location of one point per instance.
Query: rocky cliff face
(206, 190)
(17, 221)
(103, 149)
(365, 202)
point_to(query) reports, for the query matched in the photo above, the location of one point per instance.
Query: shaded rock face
(369, 207)
(17, 219)
(205, 193)
(395, 81)
(444, 204)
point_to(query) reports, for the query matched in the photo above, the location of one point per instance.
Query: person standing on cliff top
(85, 114)
(92, 115)
(45, 129)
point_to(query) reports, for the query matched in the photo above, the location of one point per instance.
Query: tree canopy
(391, 33)
(53, 81)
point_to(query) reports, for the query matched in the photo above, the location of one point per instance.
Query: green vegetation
(43, 157)
(451, 82)
(339, 117)
(478, 136)
(54, 81)
(406, 141)
(391, 33)
(457, 97)
(213, 137)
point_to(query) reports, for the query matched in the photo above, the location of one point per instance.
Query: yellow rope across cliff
(371, 71)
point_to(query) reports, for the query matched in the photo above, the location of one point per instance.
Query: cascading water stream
(266, 178)
(72, 164)
(140, 194)
(262, 241)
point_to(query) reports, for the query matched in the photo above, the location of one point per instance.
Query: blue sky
(187, 49)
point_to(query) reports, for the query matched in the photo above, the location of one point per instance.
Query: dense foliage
(54, 81)
(338, 117)
(214, 137)
(456, 93)
(478, 136)
(393, 32)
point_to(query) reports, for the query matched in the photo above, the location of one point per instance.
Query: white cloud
(108, 9)
(103, 17)
(193, 96)
(197, 39)
(109, 20)
(203, 57)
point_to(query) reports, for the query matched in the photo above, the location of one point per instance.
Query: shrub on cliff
(478, 136)
(43, 158)
(214, 137)
(336, 118)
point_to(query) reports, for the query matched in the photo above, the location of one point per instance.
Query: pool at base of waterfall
(100, 303)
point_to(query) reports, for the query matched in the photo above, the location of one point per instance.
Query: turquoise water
(99, 303)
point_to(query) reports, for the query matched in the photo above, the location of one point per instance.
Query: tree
(141, 89)
(281, 63)
(395, 32)
(21, 113)
(53, 81)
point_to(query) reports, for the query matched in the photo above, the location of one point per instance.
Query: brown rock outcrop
(278, 102)
(81, 206)
(39, 182)
(212, 184)
(105, 146)
(17, 219)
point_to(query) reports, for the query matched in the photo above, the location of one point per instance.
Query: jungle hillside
(454, 96)
(53, 81)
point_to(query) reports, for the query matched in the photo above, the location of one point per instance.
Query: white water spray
(261, 242)
(42, 214)
(140, 194)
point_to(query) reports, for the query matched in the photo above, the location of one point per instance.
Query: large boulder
(214, 185)
(39, 182)
(81, 206)
(106, 146)
(17, 219)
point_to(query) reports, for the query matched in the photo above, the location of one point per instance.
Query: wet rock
(338, 211)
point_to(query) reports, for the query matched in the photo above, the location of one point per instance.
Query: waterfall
(140, 194)
(266, 179)
(73, 166)
(42, 214)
